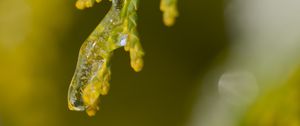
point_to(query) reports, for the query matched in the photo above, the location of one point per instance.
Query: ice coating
(92, 74)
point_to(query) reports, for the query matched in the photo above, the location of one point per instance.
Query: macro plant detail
(117, 29)
(169, 9)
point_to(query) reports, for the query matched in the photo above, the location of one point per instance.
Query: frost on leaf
(92, 74)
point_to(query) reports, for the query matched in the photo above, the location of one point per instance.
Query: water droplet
(123, 40)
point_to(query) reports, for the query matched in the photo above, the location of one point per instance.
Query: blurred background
(224, 63)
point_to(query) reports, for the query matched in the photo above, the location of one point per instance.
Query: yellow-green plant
(169, 9)
(117, 29)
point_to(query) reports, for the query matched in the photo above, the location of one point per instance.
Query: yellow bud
(90, 96)
(137, 64)
(80, 5)
(168, 21)
(91, 111)
(169, 12)
(89, 3)
(104, 89)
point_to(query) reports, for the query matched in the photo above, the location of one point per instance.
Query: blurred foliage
(279, 106)
(29, 55)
